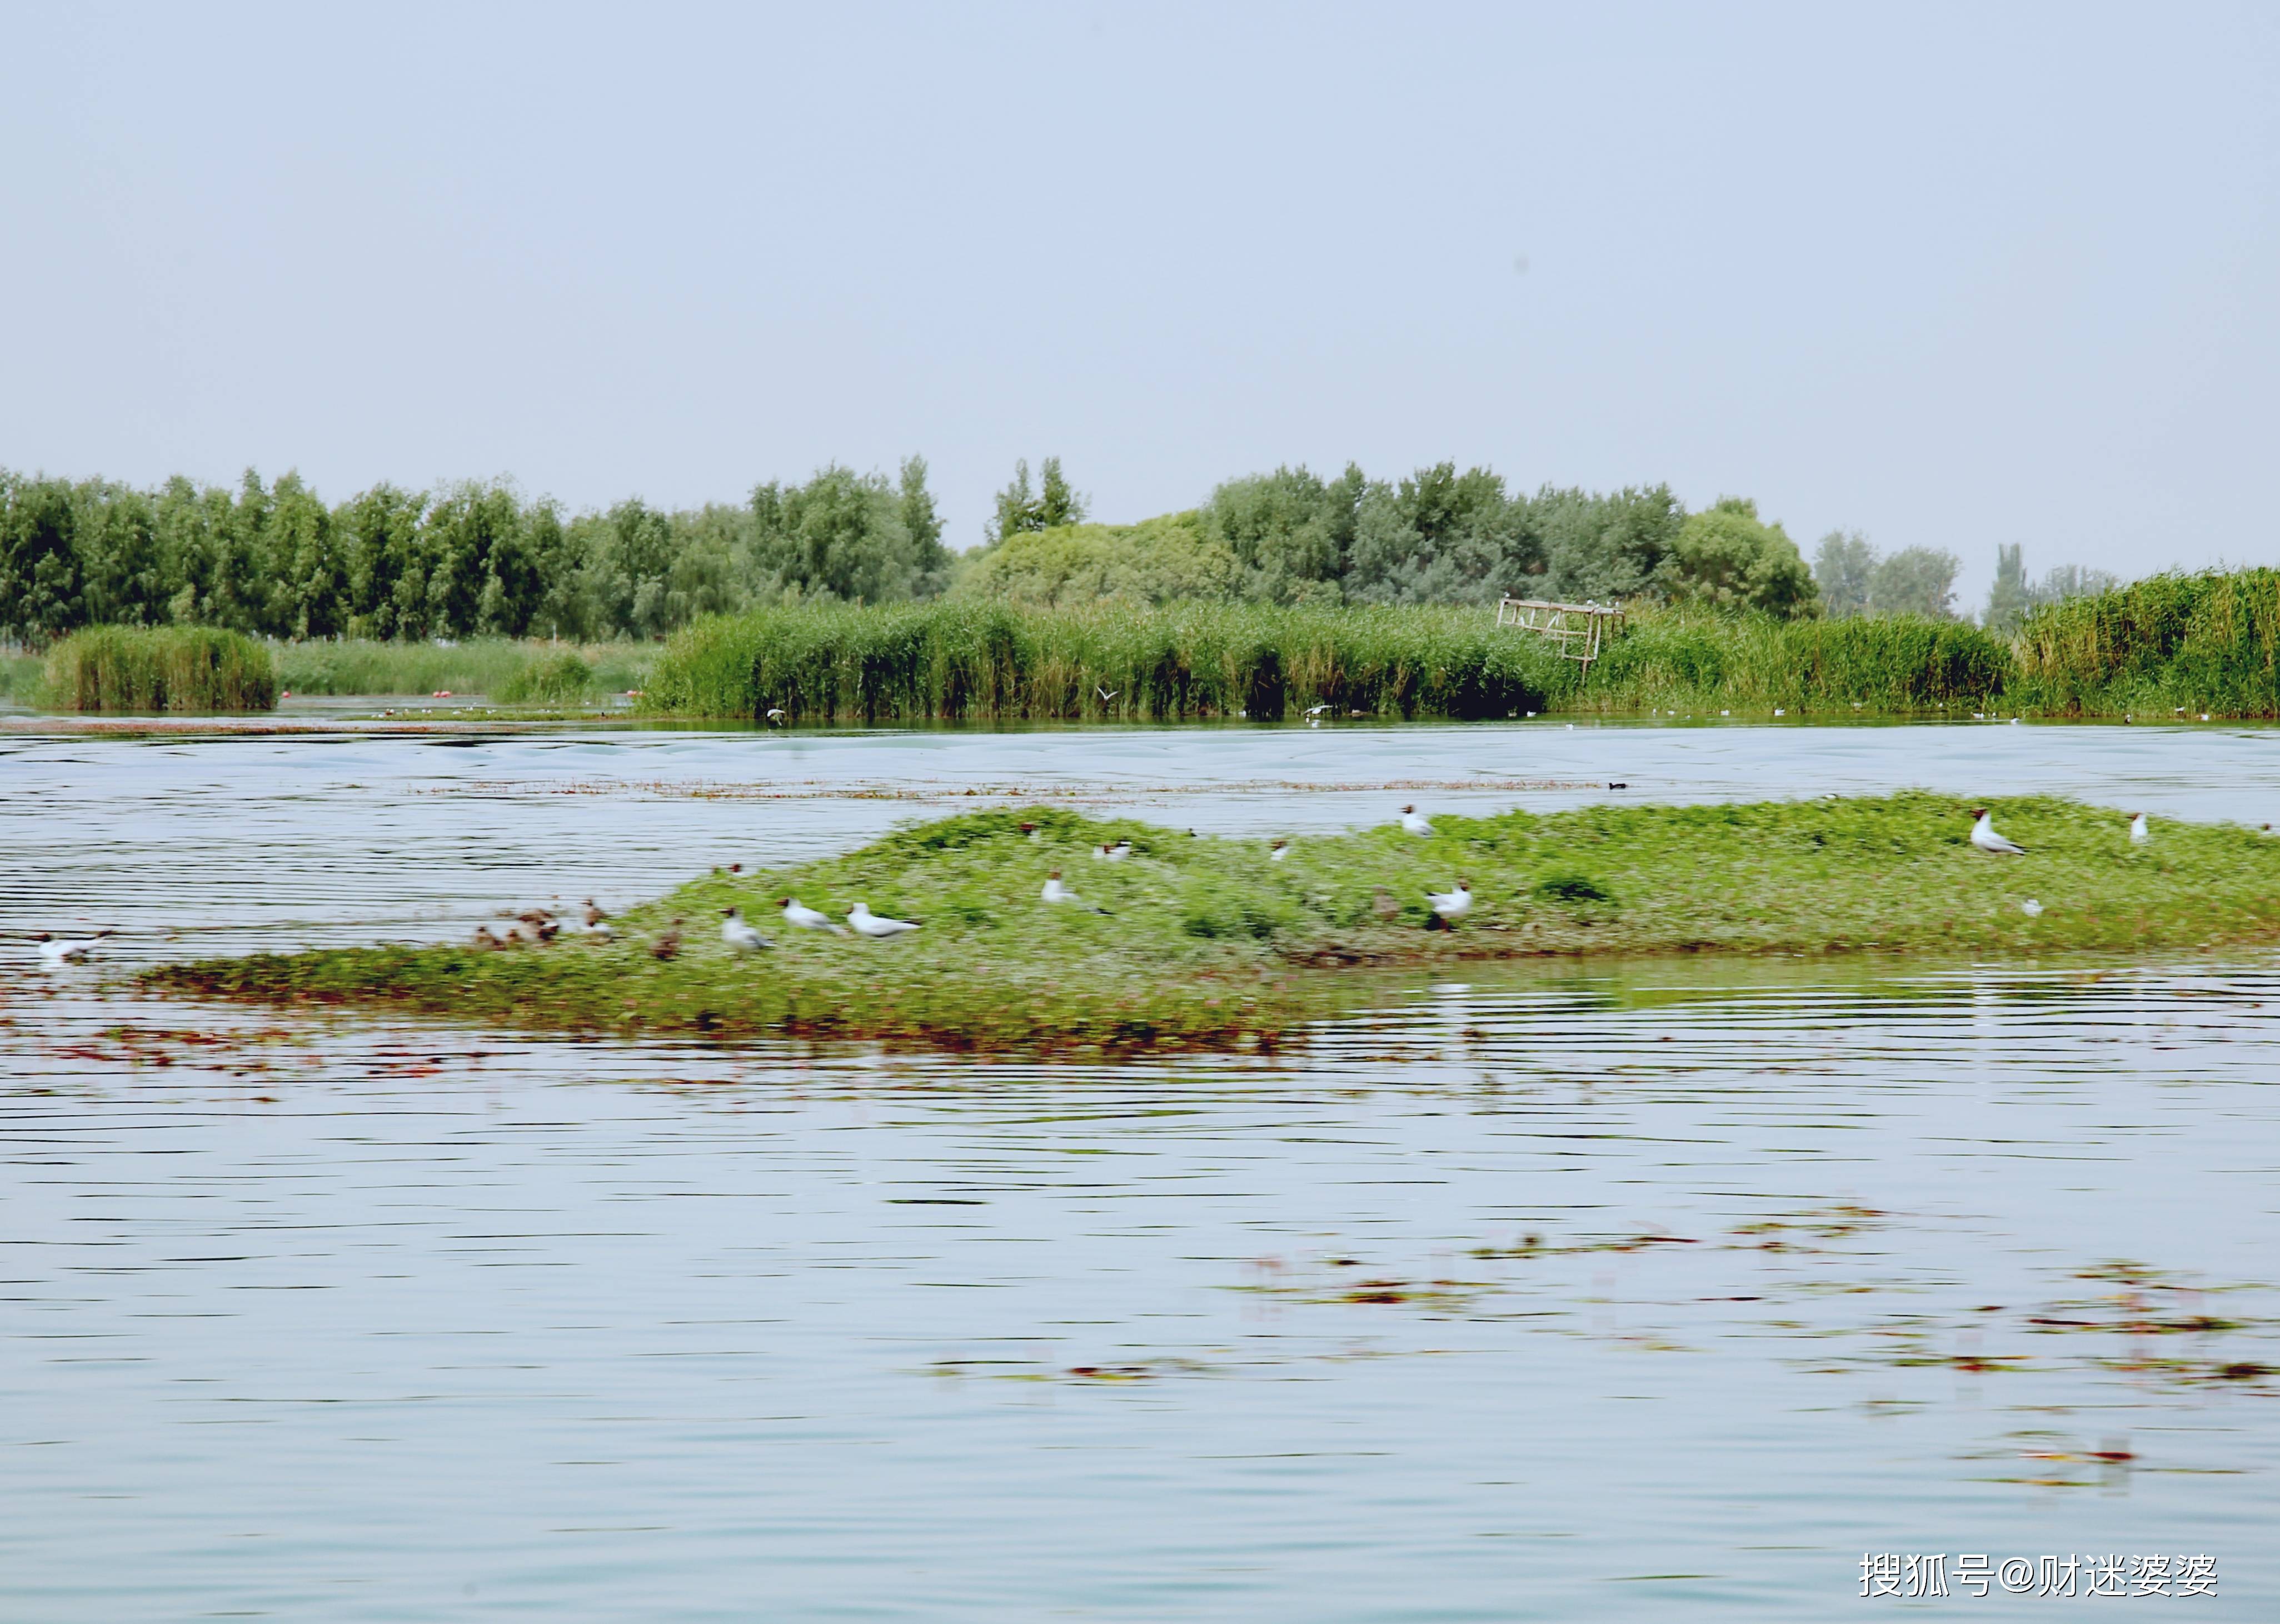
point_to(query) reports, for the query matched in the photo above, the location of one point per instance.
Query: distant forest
(475, 559)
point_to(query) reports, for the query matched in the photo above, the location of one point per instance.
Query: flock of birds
(537, 926)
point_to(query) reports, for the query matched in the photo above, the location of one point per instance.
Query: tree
(1057, 504)
(1291, 531)
(841, 535)
(40, 584)
(914, 506)
(1603, 548)
(1841, 565)
(1728, 555)
(1917, 581)
(1441, 537)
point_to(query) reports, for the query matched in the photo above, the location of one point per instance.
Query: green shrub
(2209, 641)
(139, 670)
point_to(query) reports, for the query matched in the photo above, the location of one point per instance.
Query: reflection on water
(1661, 1291)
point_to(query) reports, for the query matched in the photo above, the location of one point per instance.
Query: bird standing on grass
(739, 935)
(1280, 850)
(1450, 906)
(1056, 891)
(2032, 909)
(1413, 822)
(798, 912)
(484, 941)
(2138, 833)
(1115, 853)
(668, 944)
(1984, 837)
(869, 924)
(598, 923)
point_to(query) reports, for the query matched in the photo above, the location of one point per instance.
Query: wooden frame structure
(1578, 629)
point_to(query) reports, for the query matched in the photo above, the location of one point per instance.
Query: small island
(1192, 941)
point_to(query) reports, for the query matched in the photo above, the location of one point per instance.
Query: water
(1646, 1290)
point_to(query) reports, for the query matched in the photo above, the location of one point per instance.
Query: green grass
(509, 670)
(1683, 659)
(2206, 642)
(20, 678)
(138, 670)
(1205, 942)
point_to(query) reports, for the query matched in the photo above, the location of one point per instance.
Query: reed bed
(153, 670)
(963, 661)
(960, 661)
(2206, 642)
(1895, 664)
(512, 670)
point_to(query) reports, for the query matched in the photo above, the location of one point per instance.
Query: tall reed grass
(152, 670)
(505, 668)
(965, 661)
(1691, 658)
(2202, 642)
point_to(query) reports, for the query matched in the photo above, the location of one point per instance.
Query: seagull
(1116, 853)
(1280, 850)
(1319, 710)
(484, 941)
(1106, 694)
(1029, 829)
(1450, 906)
(2138, 833)
(740, 935)
(668, 944)
(870, 924)
(775, 716)
(598, 923)
(798, 912)
(1413, 822)
(56, 951)
(2032, 909)
(1055, 891)
(1984, 837)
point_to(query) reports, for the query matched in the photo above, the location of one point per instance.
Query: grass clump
(559, 678)
(149, 670)
(1201, 941)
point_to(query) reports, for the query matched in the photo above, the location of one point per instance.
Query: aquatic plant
(1197, 940)
(2200, 643)
(502, 668)
(145, 670)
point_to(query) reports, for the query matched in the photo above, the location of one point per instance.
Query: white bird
(870, 924)
(1984, 837)
(56, 951)
(1318, 710)
(775, 716)
(2032, 909)
(1451, 906)
(1116, 853)
(740, 935)
(2138, 833)
(1106, 694)
(1055, 891)
(798, 912)
(1413, 822)
(1280, 850)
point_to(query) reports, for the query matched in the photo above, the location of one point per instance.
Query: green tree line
(472, 559)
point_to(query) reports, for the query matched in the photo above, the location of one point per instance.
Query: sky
(1952, 276)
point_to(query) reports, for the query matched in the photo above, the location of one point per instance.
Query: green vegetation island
(1176, 940)
(835, 602)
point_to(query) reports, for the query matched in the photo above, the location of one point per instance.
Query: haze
(1952, 276)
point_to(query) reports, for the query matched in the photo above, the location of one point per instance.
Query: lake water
(1610, 1292)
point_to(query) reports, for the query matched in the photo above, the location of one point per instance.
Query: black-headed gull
(484, 941)
(775, 717)
(2032, 909)
(668, 941)
(1413, 822)
(1984, 837)
(739, 935)
(2138, 833)
(1450, 906)
(1280, 850)
(1116, 853)
(598, 923)
(798, 912)
(1318, 710)
(56, 951)
(1055, 891)
(869, 924)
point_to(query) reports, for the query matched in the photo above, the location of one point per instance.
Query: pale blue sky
(1952, 275)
